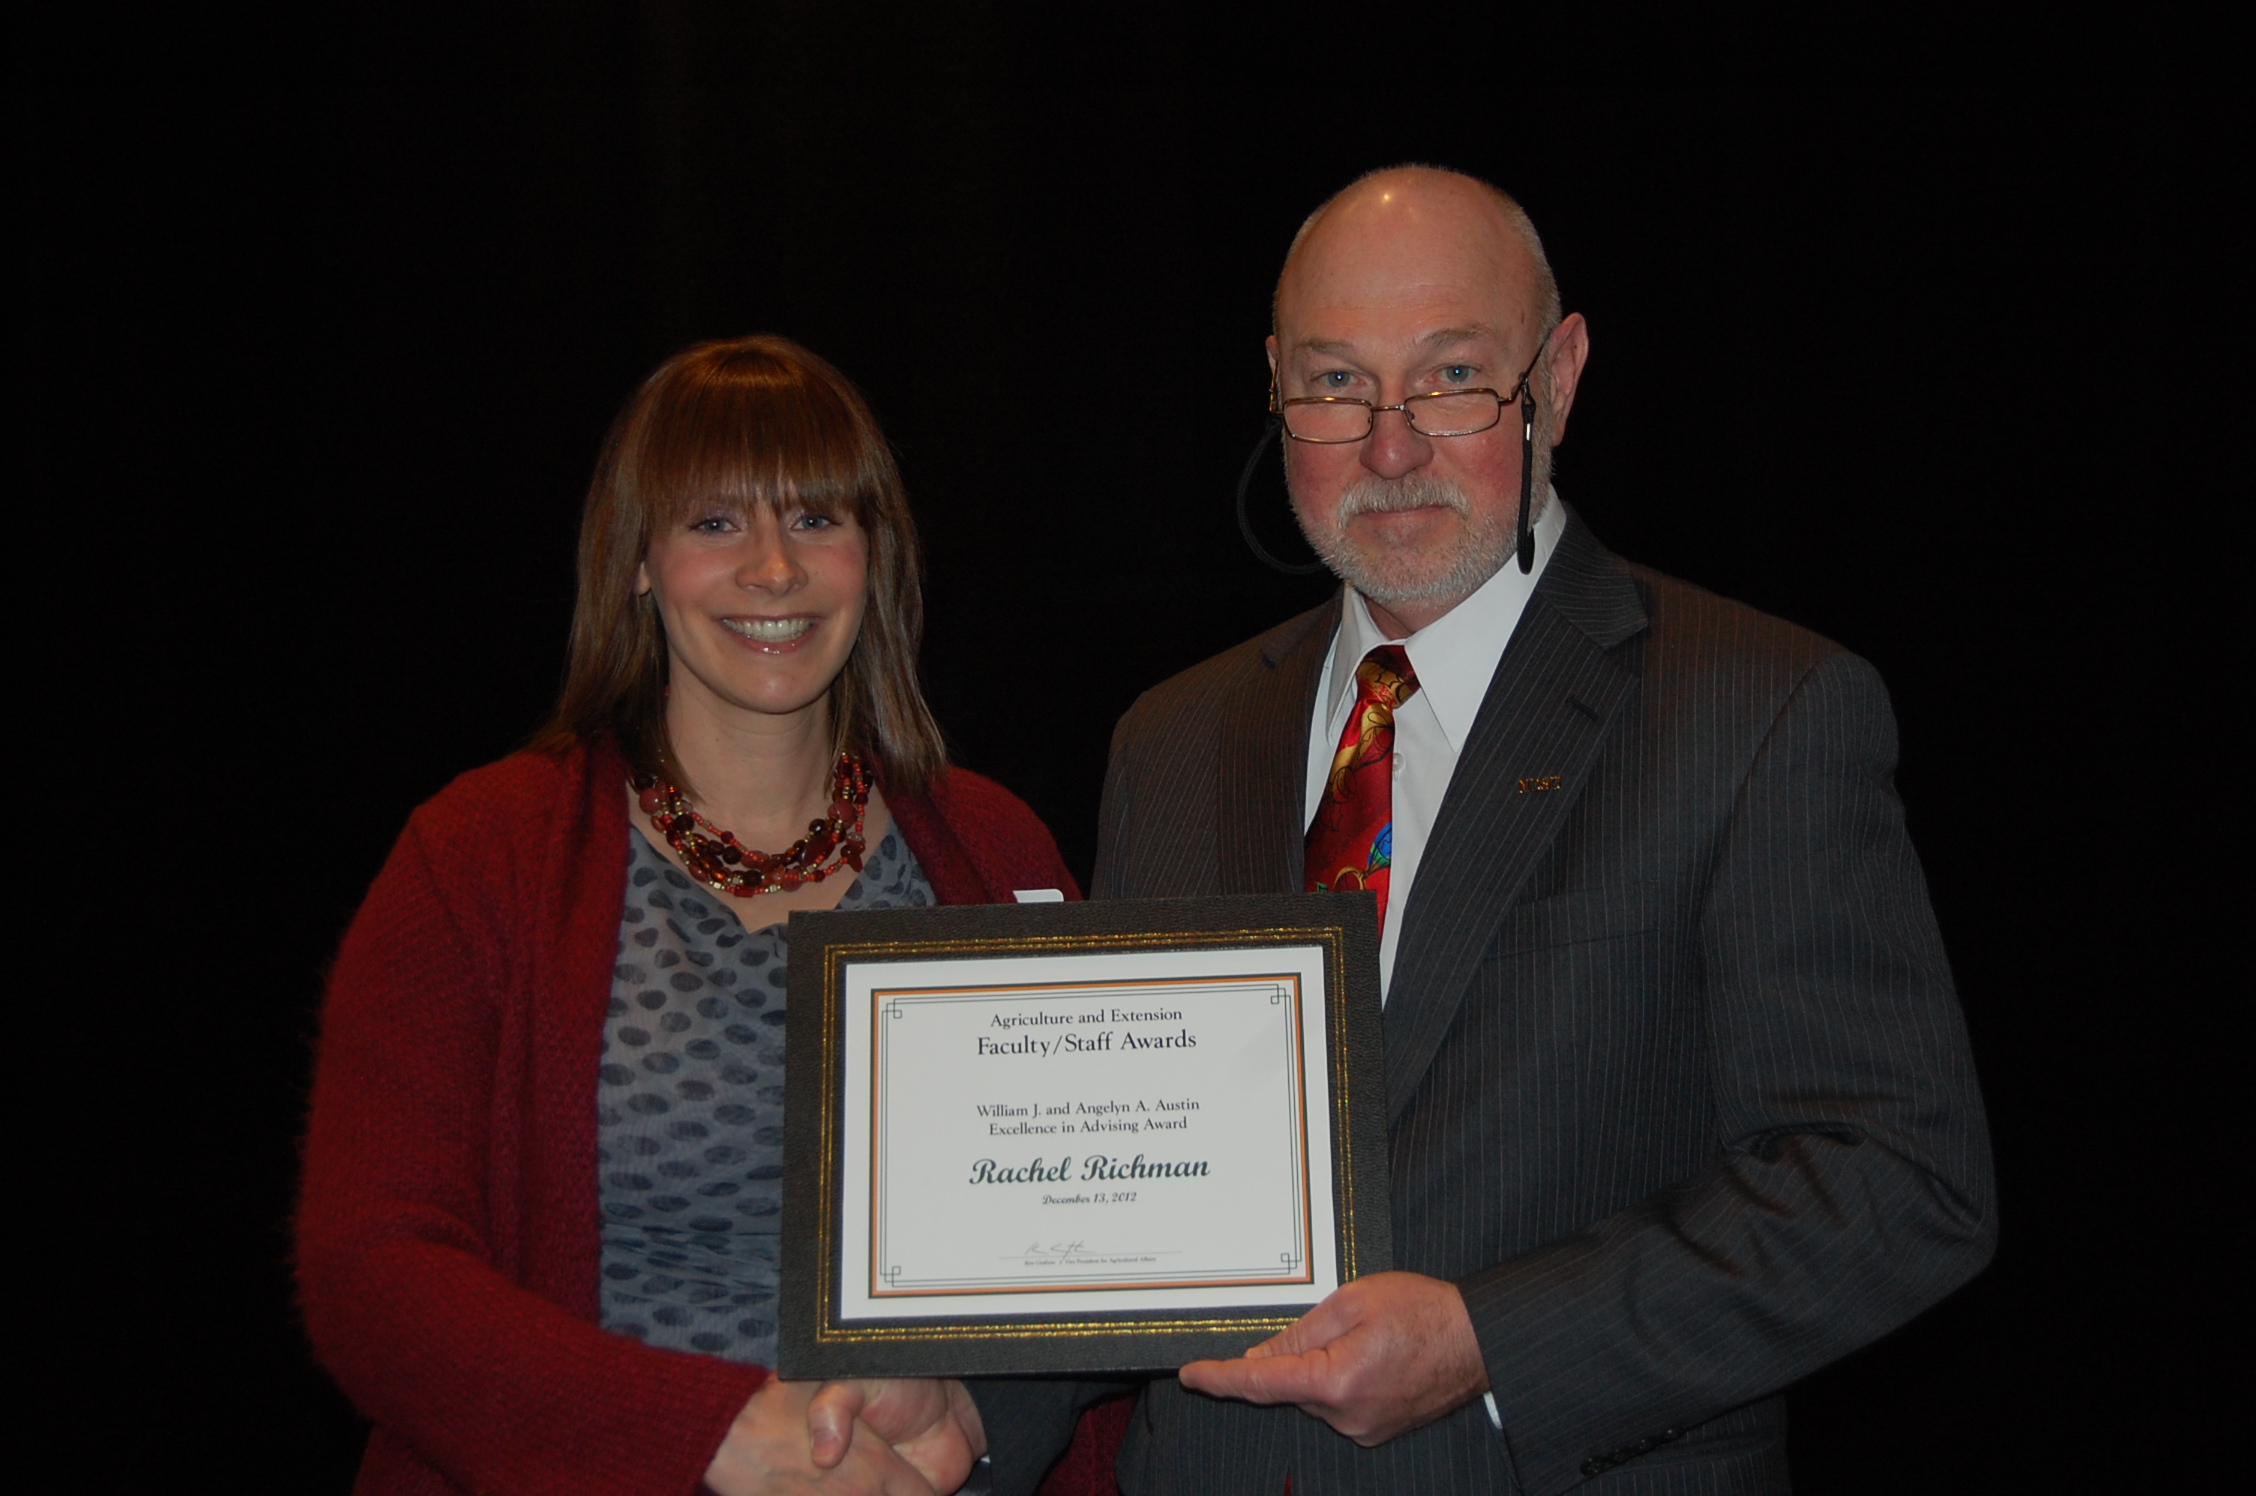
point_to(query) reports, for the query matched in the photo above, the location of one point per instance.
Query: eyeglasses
(1335, 419)
(1330, 420)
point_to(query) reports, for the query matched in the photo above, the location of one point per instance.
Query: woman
(538, 1238)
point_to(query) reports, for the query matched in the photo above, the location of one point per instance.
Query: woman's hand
(934, 1425)
(768, 1452)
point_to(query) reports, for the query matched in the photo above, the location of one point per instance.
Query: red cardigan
(448, 1233)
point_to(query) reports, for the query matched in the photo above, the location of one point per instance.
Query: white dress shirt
(1454, 657)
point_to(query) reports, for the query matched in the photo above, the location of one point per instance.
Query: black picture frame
(815, 1341)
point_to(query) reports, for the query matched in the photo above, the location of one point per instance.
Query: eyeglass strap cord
(1245, 525)
(1527, 476)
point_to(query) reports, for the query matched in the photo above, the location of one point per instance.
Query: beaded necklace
(718, 860)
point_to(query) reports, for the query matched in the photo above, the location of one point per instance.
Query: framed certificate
(1076, 1138)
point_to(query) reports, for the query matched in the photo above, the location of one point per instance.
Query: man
(1679, 1100)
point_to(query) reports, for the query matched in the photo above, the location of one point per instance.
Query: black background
(1918, 338)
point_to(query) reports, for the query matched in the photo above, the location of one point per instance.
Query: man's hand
(934, 1425)
(1383, 1355)
(767, 1453)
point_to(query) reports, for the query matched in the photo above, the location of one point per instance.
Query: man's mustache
(1394, 495)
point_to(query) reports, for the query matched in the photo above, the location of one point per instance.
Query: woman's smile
(769, 632)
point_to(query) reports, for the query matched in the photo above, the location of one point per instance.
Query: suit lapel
(1264, 758)
(1549, 708)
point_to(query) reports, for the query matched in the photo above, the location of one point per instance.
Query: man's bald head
(1400, 208)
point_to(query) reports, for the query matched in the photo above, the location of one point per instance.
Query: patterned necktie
(1351, 841)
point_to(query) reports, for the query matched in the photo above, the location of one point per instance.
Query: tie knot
(1385, 676)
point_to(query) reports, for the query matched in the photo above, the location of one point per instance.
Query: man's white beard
(1388, 574)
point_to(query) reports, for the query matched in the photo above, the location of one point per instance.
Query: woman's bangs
(739, 444)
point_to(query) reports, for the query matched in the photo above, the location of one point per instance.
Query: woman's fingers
(932, 1424)
(768, 1452)
(830, 1421)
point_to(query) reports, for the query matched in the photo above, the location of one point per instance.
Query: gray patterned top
(689, 1112)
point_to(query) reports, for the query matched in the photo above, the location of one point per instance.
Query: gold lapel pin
(1536, 786)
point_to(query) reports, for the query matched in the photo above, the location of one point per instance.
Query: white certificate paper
(1085, 1134)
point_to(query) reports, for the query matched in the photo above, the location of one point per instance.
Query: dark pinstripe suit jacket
(1678, 1089)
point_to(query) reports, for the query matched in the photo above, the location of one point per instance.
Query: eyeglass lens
(1445, 414)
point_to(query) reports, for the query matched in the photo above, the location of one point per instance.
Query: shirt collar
(1456, 655)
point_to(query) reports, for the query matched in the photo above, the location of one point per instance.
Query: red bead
(789, 878)
(649, 801)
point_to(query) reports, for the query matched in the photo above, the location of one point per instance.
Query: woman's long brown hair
(750, 421)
